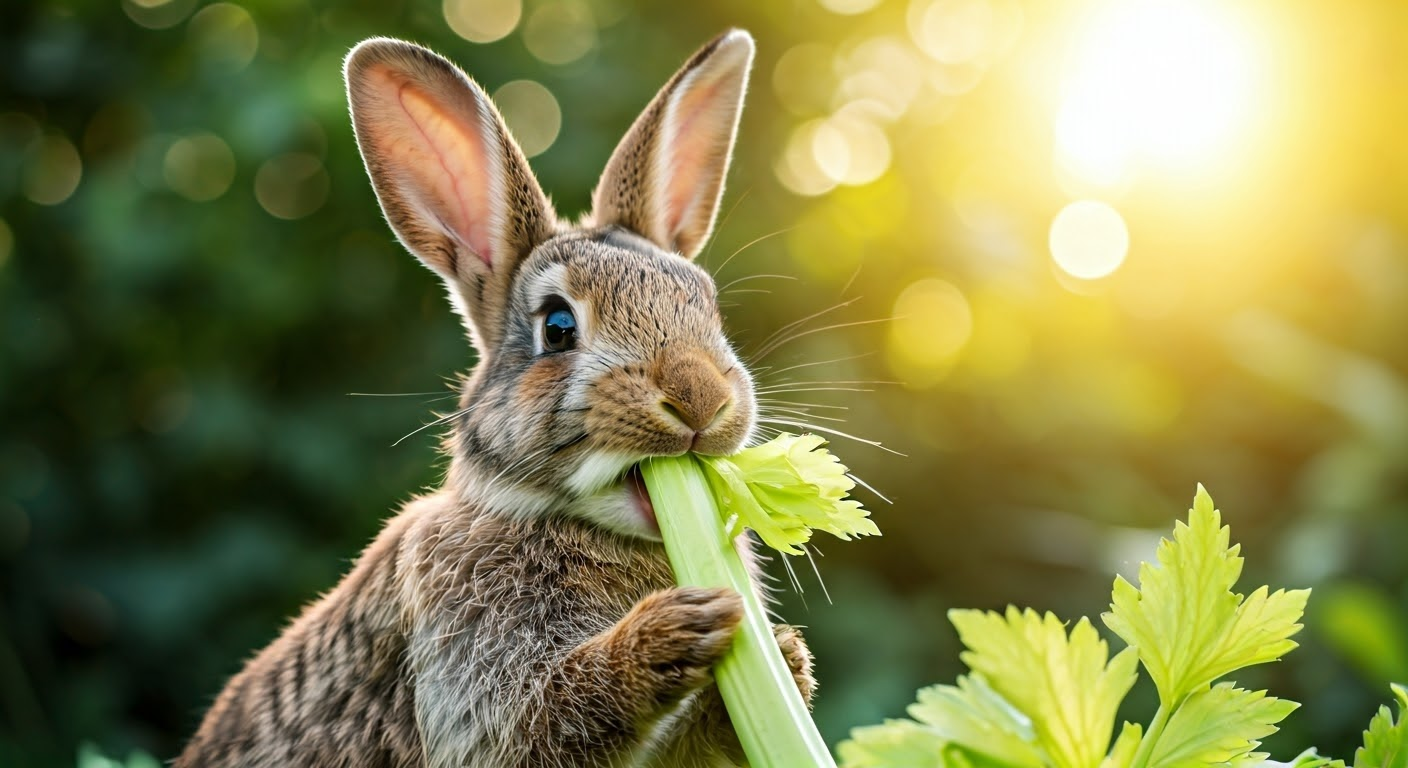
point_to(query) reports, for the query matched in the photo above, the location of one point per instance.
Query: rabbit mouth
(640, 497)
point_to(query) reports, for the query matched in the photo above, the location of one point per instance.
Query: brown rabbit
(523, 615)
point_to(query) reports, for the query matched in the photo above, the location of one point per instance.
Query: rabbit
(524, 614)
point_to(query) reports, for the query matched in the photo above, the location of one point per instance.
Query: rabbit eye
(559, 330)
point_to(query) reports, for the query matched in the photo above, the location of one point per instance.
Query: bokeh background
(1078, 257)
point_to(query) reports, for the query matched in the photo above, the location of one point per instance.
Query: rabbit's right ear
(666, 176)
(452, 182)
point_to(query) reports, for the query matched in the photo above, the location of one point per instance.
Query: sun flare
(1159, 84)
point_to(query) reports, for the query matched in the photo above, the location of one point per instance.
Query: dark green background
(181, 466)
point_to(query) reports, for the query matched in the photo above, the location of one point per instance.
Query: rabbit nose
(694, 392)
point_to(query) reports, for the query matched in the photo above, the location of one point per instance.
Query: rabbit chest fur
(523, 614)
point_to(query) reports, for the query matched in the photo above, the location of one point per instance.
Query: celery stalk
(768, 713)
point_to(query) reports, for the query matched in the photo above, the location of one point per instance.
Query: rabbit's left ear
(665, 178)
(452, 183)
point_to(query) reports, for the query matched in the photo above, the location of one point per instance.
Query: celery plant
(783, 490)
(1038, 696)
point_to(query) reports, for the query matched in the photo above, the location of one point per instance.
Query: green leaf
(1386, 741)
(1307, 759)
(1188, 626)
(893, 744)
(1122, 754)
(974, 716)
(1219, 725)
(1062, 683)
(965, 725)
(784, 489)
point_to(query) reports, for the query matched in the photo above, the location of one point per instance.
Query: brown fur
(524, 614)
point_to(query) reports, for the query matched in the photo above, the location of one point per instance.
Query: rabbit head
(600, 343)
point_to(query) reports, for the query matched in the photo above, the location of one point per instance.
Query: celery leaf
(1122, 754)
(1188, 626)
(965, 725)
(1061, 682)
(1386, 741)
(1307, 759)
(891, 744)
(784, 490)
(974, 716)
(1219, 725)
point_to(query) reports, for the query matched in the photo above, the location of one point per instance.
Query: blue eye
(559, 330)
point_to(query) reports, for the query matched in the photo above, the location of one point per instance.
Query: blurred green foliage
(194, 274)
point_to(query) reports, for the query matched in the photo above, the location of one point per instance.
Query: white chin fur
(606, 501)
(598, 471)
(614, 508)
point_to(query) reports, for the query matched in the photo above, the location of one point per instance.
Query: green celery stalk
(772, 721)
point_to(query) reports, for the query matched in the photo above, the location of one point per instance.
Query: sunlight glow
(932, 324)
(1154, 82)
(1089, 239)
(848, 7)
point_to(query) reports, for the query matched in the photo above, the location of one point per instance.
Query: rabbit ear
(452, 182)
(665, 179)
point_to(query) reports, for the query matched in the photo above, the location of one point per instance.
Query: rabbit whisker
(795, 323)
(819, 362)
(869, 487)
(437, 422)
(799, 404)
(442, 420)
(750, 244)
(781, 342)
(836, 432)
(704, 260)
(790, 390)
(796, 582)
(817, 571)
(746, 278)
(868, 382)
(801, 414)
(437, 395)
(852, 281)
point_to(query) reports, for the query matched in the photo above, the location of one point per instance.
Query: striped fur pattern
(524, 613)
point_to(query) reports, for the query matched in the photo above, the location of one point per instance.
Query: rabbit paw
(799, 658)
(672, 638)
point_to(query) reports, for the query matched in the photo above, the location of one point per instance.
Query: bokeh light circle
(157, 14)
(199, 167)
(52, 170)
(884, 73)
(482, 21)
(953, 31)
(292, 185)
(1089, 239)
(802, 78)
(532, 113)
(560, 32)
(867, 147)
(224, 34)
(797, 169)
(932, 324)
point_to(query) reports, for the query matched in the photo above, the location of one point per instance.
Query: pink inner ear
(441, 153)
(699, 133)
